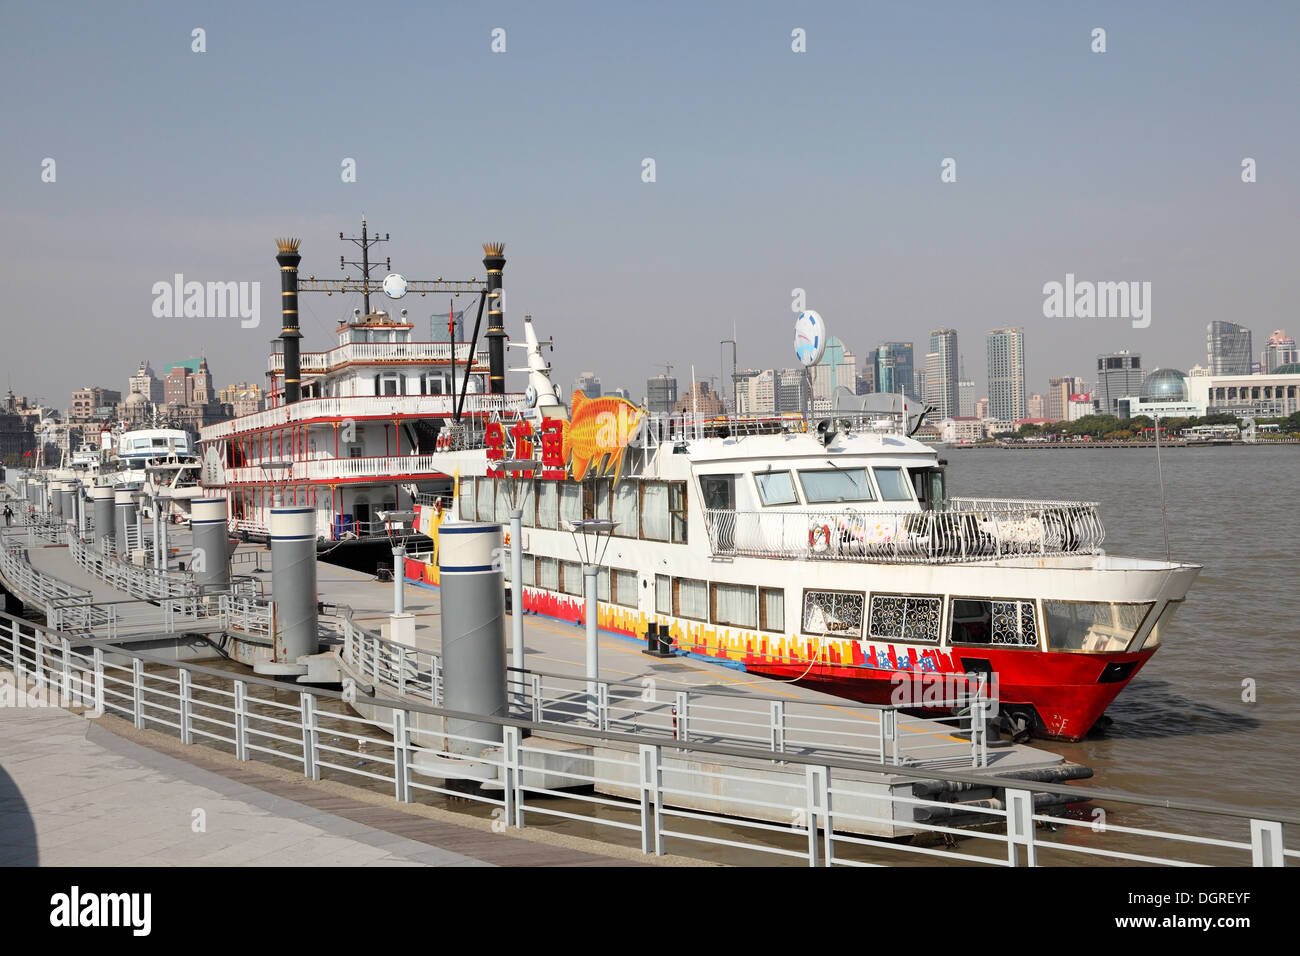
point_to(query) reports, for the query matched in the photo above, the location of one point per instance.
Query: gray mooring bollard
(123, 513)
(211, 556)
(102, 496)
(473, 632)
(293, 581)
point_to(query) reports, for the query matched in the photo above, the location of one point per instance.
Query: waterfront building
(1035, 407)
(1273, 395)
(982, 408)
(902, 361)
(88, 403)
(791, 390)
(1164, 394)
(700, 401)
(1079, 406)
(243, 399)
(1006, 366)
(866, 380)
(1228, 348)
(961, 429)
(1059, 391)
(1119, 374)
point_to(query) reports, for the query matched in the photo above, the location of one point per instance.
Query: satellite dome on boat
(1165, 385)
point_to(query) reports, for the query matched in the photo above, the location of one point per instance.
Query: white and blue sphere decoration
(394, 285)
(530, 396)
(809, 338)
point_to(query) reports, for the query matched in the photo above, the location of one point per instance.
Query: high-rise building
(1035, 405)
(1119, 374)
(1227, 345)
(791, 390)
(941, 373)
(661, 394)
(982, 408)
(588, 383)
(965, 399)
(1006, 356)
(756, 392)
(866, 382)
(837, 369)
(896, 367)
(145, 382)
(1280, 350)
(701, 401)
(1059, 391)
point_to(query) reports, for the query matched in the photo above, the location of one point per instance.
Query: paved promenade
(75, 793)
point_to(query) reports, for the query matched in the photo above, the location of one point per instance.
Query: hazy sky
(774, 170)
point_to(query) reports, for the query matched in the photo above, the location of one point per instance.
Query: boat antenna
(1160, 472)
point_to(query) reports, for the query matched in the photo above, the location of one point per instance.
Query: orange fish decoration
(597, 434)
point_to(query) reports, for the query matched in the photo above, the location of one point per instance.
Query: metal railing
(650, 792)
(363, 406)
(969, 530)
(379, 352)
(877, 732)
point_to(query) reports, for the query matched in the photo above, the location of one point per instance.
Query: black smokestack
(494, 261)
(288, 259)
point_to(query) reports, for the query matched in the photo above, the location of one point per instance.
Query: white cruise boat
(826, 551)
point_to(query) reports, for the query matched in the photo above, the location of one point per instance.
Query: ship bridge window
(892, 484)
(1095, 627)
(930, 488)
(677, 510)
(838, 613)
(625, 509)
(776, 488)
(899, 618)
(997, 623)
(1162, 624)
(835, 485)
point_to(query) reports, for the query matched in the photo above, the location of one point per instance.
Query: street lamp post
(519, 475)
(591, 538)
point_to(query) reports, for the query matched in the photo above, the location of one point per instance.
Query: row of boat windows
(833, 486)
(901, 618)
(651, 510)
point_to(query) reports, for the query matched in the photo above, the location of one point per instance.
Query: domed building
(1165, 385)
(1164, 393)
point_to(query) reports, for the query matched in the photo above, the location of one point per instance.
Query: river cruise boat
(824, 550)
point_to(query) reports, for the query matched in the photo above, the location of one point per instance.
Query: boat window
(663, 594)
(625, 509)
(900, 618)
(835, 485)
(838, 613)
(718, 492)
(1158, 631)
(735, 604)
(548, 504)
(1000, 623)
(570, 577)
(484, 497)
(570, 503)
(771, 609)
(892, 484)
(929, 486)
(548, 574)
(1092, 626)
(654, 511)
(691, 598)
(503, 508)
(467, 499)
(530, 571)
(677, 509)
(604, 497)
(625, 591)
(776, 488)
(602, 585)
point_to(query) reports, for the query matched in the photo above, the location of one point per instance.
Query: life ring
(819, 538)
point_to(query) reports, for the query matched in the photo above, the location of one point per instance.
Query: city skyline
(547, 150)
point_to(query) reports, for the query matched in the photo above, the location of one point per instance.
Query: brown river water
(1181, 728)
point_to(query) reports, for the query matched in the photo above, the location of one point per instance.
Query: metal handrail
(974, 530)
(818, 800)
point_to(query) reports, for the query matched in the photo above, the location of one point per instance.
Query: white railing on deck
(971, 529)
(329, 469)
(363, 406)
(378, 352)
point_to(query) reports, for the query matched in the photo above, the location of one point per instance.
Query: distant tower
(288, 260)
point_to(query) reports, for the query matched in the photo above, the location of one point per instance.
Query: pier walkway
(75, 793)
